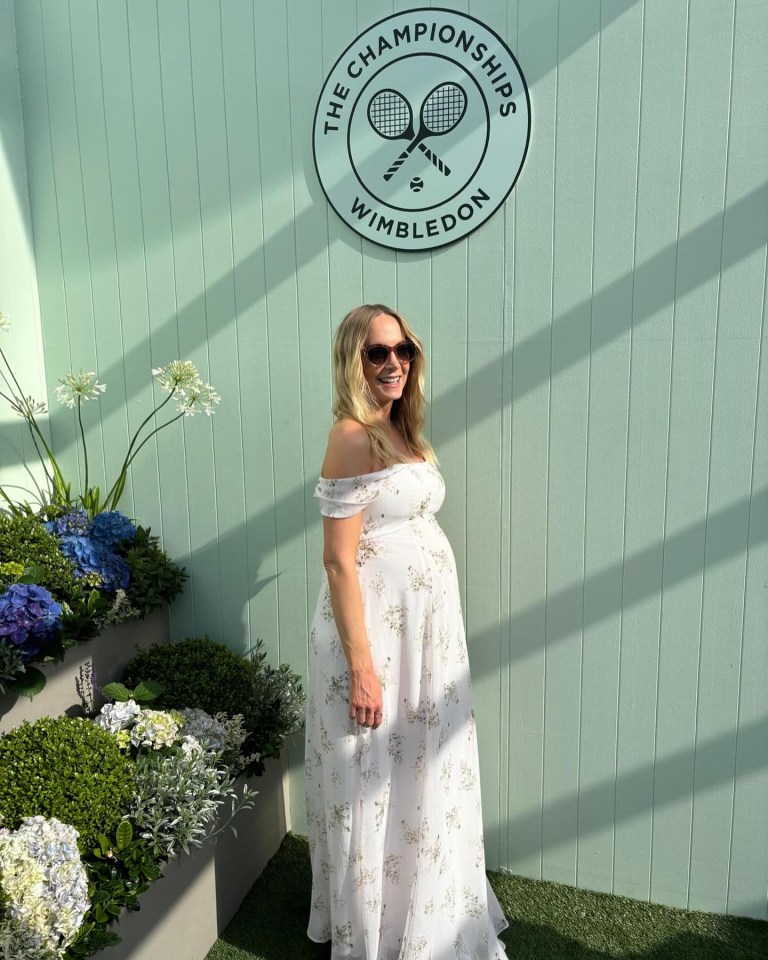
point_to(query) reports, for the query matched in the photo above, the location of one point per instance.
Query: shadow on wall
(745, 223)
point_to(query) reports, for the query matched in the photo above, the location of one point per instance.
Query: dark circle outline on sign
(386, 203)
(344, 52)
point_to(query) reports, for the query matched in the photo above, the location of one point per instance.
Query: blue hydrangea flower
(70, 525)
(89, 556)
(115, 573)
(29, 616)
(112, 527)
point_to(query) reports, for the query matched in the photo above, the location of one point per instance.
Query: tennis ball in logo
(416, 184)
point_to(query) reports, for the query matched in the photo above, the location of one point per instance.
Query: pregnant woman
(393, 790)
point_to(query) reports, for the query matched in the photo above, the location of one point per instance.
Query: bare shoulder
(349, 451)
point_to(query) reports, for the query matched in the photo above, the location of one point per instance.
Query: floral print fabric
(394, 814)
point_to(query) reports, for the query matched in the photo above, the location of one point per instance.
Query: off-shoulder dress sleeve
(345, 497)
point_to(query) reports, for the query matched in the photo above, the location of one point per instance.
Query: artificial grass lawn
(547, 921)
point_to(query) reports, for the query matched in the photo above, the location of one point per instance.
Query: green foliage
(198, 672)
(145, 692)
(278, 700)
(178, 798)
(80, 619)
(120, 868)
(91, 938)
(10, 571)
(155, 579)
(24, 540)
(28, 683)
(11, 664)
(66, 768)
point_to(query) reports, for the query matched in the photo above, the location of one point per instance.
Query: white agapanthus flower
(45, 888)
(203, 727)
(74, 387)
(197, 397)
(27, 407)
(117, 716)
(176, 375)
(154, 729)
(5, 323)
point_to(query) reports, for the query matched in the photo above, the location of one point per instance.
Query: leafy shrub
(278, 701)
(11, 662)
(24, 540)
(199, 672)
(178, 796)
(119, 869)
(65, 768)
(155, 579)
(196, 672)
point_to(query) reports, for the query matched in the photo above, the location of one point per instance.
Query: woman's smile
(386, 382)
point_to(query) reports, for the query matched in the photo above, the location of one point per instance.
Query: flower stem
(85, 448)
(111, 500)
(13, 375)
(57, 480)
(118, 486)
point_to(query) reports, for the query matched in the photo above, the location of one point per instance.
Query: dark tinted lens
(377, 354)
(405, 351)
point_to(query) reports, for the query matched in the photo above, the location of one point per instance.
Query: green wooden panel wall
(598, 384)
(20, 471)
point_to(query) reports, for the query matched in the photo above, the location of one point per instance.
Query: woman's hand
(366, 702)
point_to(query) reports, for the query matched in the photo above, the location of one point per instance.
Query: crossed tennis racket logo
(391, 116)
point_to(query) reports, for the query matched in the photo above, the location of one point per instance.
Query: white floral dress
(394, 815)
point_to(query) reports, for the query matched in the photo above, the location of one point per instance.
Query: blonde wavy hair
(352, 396)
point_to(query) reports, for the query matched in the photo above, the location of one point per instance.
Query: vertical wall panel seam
(298, 328)
(87, 246)
(325, 207)
(465, 574)
(709, 477)
(549, 436)
(206, 345)
(155, 441)
(502, 770)
(669, 432)
(511, 493)
(185, 476)
(626, 456)
(235, 324)
(586, 457)
(714, 382)
(266, 339)
(58, 221)
(746, 568)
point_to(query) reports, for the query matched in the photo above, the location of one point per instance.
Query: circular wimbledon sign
(421, 129)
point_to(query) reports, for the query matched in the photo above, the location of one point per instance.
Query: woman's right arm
(349, 455)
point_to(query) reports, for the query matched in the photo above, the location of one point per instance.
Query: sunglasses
(377, 354)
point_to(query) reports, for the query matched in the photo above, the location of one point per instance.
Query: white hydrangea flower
(117, 716)
(5, 323)
(203, 727)
(154, 729)
(45, 886)
(176, 375)
(190, 745)
(74, 387)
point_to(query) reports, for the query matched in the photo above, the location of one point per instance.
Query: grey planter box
(183, 914)
(109, 653)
